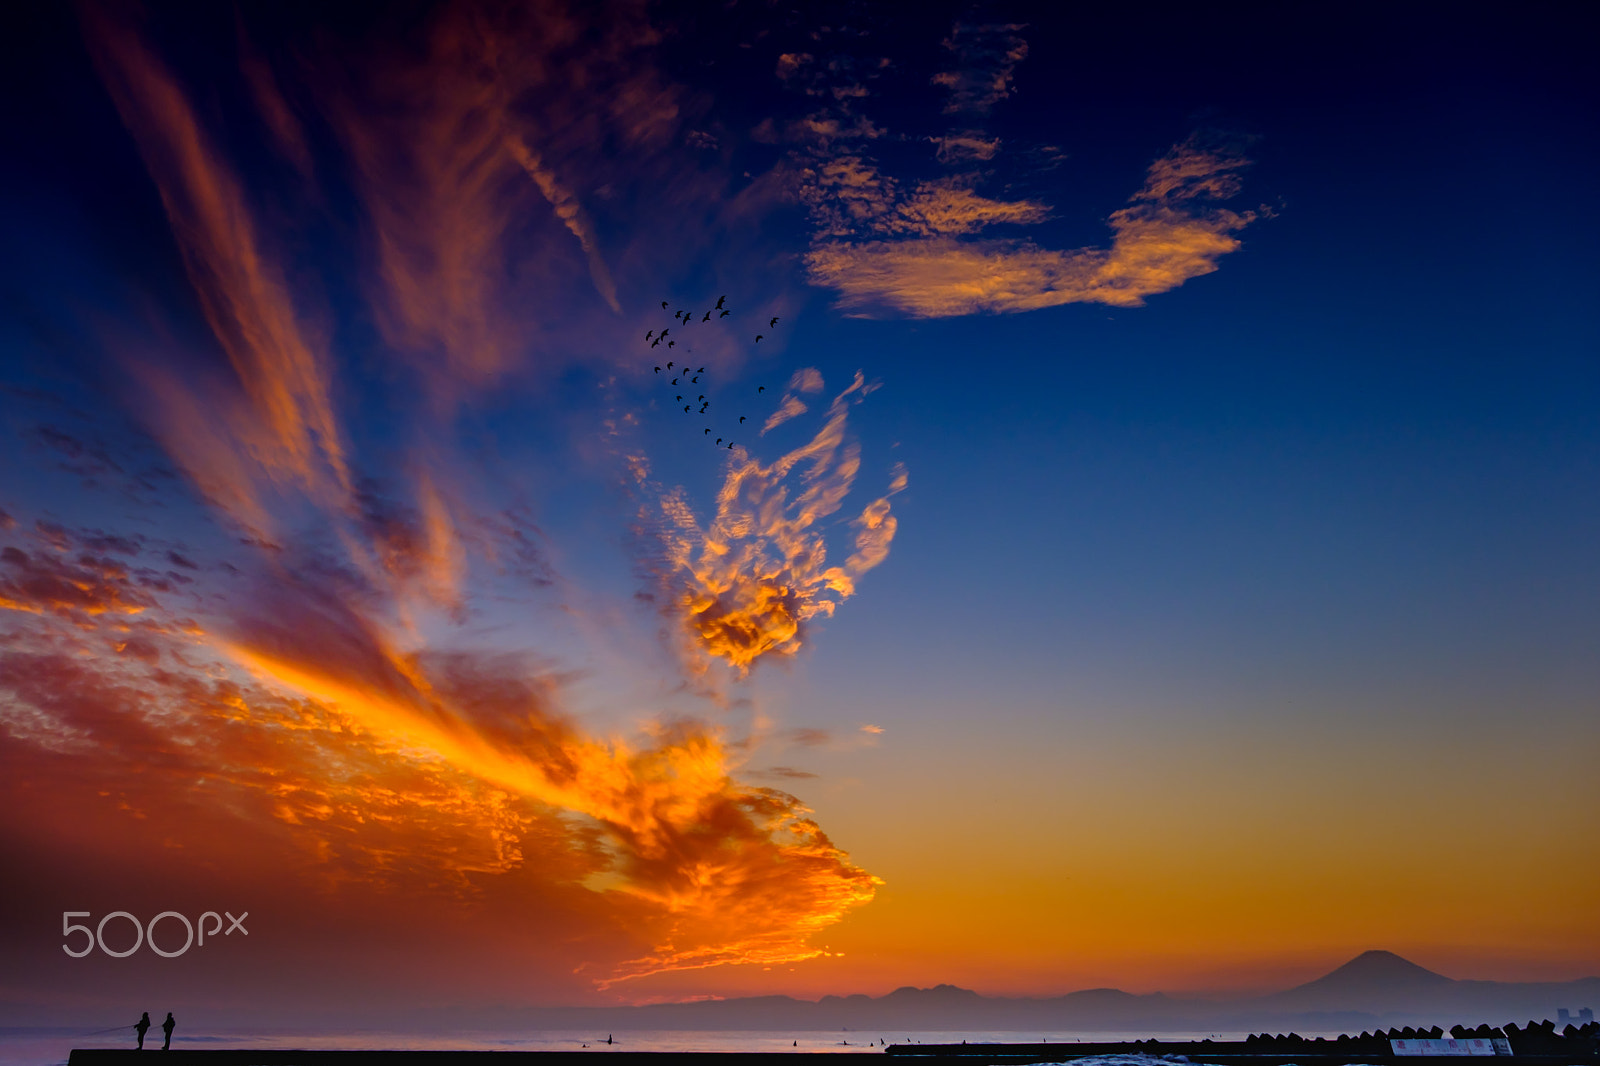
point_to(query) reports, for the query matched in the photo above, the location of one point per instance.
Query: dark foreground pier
(1205, 1051)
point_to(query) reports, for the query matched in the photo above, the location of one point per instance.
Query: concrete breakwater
(1537, 1042)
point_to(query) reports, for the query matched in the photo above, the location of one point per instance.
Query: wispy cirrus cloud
(1170, 231)
(965, 146)
(452, 148)
(270, 421)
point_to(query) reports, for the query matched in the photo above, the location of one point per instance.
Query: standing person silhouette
(141, 1026)
(167, 1027)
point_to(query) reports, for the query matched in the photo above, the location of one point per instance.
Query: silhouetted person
(167, 1027)
(608, 1038)
(141, 1027)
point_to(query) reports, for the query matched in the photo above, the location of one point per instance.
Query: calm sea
(49, 1047)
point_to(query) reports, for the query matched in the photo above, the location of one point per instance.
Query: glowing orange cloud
(417, 768)
(745, 585)
(727, 872)
(1162, 239)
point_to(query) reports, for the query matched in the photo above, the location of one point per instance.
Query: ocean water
(50, 1046)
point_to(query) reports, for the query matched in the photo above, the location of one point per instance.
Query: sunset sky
(1155, 545)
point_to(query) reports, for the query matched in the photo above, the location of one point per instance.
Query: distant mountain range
(1375, 988)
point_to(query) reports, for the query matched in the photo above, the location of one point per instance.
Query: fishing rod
(113, 1029)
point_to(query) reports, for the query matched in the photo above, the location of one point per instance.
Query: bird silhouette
(663, 305)
(677, 316)
(719, 302)
(658, 370)
(674, 381)
(701, 396)
(666, 331)
(707, 318)
(719, 439)
(655, 342)
(652, 333)
(773, 323)
(741, 419)
(677, 397)
(759, 336)
(725, 314)
(708, 433)
(761, 388)
(695, 380)
(672, 344)
(730, 445)
(669, 364)
(685, 408)
(702, 370)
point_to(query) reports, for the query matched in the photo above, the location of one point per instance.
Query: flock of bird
(680, 374)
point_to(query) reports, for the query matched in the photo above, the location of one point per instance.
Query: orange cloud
(790, 408)
(849, 197)
(1161, 240)
(745, 585)
(36, 582)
